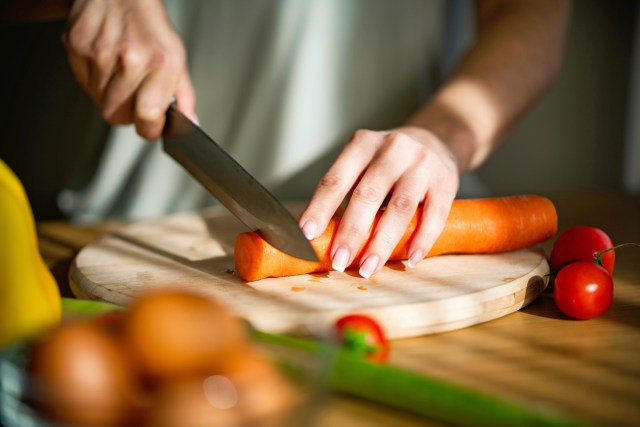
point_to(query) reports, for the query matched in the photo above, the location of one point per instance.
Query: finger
(186, 97)
(338, 181)
(104, 58)
(393, 223)
(152, 101)
(78, 39)
(436, 209)
(79, 64)
(367, 197)
(118, 101)
(81, 69)
(118, 98)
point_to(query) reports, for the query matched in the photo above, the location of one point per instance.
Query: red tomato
(583, 290)
(363, 335)
(580, 244)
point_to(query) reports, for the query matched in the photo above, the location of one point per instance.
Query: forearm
(33, 10)
(515, 58)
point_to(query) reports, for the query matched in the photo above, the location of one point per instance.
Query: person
(129, 58)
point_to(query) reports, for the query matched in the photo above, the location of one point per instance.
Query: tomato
(583, 290)
(581, 243)
(362, 334)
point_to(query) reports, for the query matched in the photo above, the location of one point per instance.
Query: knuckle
(360, 135)
(102, 58)
(397, 142)
(330, 182)
(395, 139)
(78, 40)
(103, 42)
(422, 155)
(402, 204)
(367, 193)
(131, 58)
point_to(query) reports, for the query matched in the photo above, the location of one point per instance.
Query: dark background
(574, 140)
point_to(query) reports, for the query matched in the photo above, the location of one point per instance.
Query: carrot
(474, 226)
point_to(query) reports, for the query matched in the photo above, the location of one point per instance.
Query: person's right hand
(127, 56)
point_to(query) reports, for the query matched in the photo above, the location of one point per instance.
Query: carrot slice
(474, 226)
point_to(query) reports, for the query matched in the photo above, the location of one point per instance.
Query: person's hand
(127, 56)
(408, 166)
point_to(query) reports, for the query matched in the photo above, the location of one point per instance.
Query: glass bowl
(292, 397)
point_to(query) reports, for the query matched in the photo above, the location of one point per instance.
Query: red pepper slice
(363, 335)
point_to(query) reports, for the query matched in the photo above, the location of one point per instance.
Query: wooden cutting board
(194, 251)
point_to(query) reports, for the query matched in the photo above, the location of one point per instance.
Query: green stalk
(81, 307)
(436, 399)
(400, 388)
(419, 394)
(598, 255)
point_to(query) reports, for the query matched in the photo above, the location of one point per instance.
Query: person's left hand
(410, 166)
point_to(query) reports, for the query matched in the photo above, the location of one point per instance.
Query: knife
(233, 186)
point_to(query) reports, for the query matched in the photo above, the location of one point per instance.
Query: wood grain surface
(536, 357)
(195, 251)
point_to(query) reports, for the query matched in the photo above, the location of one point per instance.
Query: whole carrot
(474, 226)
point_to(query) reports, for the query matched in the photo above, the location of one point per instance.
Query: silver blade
(233, 186)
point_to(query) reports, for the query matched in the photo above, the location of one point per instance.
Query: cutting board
(194, 251)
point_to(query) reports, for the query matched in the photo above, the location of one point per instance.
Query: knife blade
(233, 186)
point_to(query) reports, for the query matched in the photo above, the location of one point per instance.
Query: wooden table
(590, 369)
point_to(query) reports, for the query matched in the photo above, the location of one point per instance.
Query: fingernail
(196, 120)
(369, 266)
(340, 259)
(309, 229)
(415, 258)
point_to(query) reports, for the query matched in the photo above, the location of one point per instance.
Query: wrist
(438, 143)
(463, 116)
(452, 132)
